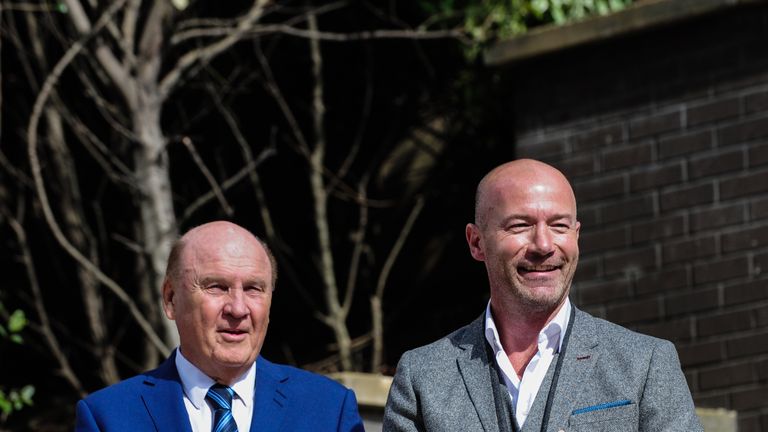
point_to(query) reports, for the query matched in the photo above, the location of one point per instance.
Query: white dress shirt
(196, 384)
(523, 391)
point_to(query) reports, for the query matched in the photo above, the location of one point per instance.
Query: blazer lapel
(163, 397)
(270, 399)
(580, 359)
(473, 366)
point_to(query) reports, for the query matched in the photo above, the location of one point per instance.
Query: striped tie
(220, 397)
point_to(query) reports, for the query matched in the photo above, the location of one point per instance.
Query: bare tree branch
(42, 313)
(378, 297)
(208, 52)
(208, 176)
(40, 102)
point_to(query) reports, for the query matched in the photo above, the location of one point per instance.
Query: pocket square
(602, 406)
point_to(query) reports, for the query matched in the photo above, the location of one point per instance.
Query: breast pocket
(616, 419)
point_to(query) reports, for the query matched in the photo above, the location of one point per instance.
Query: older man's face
(528, 238)
(221, 301)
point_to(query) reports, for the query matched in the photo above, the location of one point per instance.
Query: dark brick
(691, 302)
(589, 216)
(721, 270)
(627, 157)
(762, 369)
(750, 399)
(715, 218)
(746, 292)
(587, 269)
(601, 137)
(724, 323)
(760, 264)
(676, 330)
(743, 132)
(655, 124)
(749, 345)
(577, 166)
(632, 261)
(749, 184)
(667, 279)
(541, 149)
(656, 176)
(632, 208)
(687, 197)
(713, 111)
(605, 291)
(685, 144)
(593, 241)
(658, 228)
(745, 239)
(732, 160)
(700, 353)
(726, 376)
(689, 250)
(761, 317)
(713, 401)
(759, 209)
(758, 155)
(599, 189)
(756, 102)
(637, 311)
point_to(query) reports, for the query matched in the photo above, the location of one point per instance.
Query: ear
(168, 296)
(475, 241)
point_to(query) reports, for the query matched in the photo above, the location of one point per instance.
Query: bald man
(533, 361)
(218, 288)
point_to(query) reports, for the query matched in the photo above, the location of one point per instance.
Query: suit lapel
(580, 359)
(473, 366)
(163, 397)
(270, 401)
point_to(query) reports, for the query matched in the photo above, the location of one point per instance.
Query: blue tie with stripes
(220, 397)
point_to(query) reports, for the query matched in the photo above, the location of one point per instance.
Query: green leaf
(26, 393)
(16, 338)
(17, 321)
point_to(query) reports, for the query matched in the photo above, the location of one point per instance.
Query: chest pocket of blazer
(616, 419)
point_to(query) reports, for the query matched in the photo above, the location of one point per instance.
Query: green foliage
(14, 399)
(487, 20)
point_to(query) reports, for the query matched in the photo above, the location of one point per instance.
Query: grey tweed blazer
(612, 379)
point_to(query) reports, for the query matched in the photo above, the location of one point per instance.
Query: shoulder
(438, 354)
(614, 334)
(300, 379)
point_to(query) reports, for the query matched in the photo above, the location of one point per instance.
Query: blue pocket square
(603, 406)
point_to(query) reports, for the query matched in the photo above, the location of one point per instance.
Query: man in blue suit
(218, 288)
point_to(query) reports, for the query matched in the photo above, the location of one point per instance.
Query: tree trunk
(158, 221)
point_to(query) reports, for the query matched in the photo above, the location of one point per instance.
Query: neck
(519, 330)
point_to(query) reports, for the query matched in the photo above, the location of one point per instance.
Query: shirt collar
(196, 383)
(548, 336)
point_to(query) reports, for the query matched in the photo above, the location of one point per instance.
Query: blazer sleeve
(401, 413)
(350, 420)
(666, 404)
(85, 421)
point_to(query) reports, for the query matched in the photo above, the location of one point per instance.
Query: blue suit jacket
(285, 399)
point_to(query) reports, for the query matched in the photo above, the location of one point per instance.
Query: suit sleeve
(350, 420)
(85, 421)
(666, 404)
(401, 413)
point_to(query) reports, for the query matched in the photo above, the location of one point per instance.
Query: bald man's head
(513, 174)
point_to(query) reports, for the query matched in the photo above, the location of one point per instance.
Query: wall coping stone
(639, 16)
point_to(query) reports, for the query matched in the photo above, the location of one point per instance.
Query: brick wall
(664, 135)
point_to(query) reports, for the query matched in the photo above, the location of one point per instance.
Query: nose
(235, 306)
(541, 243)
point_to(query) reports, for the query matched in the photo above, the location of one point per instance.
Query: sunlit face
(221, 301)
(527, 236)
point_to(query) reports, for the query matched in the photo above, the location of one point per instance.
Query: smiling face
(527, 235)
(220, 295)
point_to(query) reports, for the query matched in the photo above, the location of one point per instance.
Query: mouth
(537, 270)
(233, 335)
